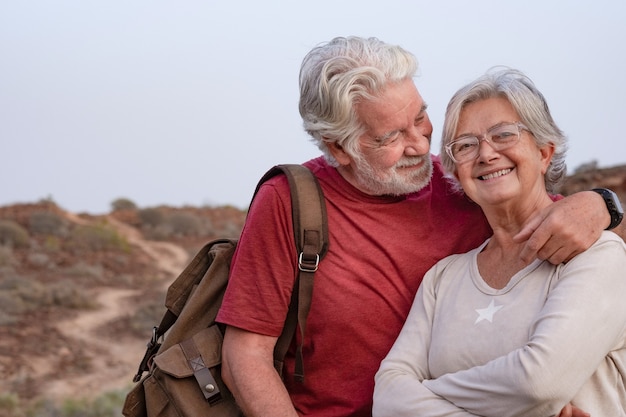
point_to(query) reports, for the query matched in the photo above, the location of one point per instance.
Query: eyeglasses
(465, 148)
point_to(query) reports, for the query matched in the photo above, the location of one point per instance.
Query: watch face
(613, 205)
(618, 204)
(614, 200)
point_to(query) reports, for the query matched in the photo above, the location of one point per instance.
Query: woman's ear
(337, 151)
(546, 156)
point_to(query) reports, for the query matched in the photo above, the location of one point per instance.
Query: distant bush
(19, 295)
(82, 270)
(145, 318)
(8, 403)
(12, 234)
(159, 225)
(39, 260)
(162, 231)
(5, 320)
(47, 223)
(6, 256)
(107, 405)
(123, 204)
(97, 237)
(67, 294)
(229, 229)
(185, 224)
(151, 217)
(52, 244)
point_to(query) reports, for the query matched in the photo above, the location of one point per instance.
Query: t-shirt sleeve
(264, 265)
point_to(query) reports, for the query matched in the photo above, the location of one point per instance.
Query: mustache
(409, 161)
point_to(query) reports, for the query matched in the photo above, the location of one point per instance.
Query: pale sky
(190, 102)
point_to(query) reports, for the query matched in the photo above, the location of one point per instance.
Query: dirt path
(113, 361)
(169, 257)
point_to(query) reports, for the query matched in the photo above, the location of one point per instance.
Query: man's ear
(337, 151)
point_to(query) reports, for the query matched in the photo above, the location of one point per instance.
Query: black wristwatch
(613, 205)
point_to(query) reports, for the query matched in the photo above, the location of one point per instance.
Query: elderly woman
(488, 334)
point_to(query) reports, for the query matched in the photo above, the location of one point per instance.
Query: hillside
(79, 293)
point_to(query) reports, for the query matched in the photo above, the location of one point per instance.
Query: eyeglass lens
(499, 137)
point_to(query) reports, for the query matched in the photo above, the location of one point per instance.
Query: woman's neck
(500, 258)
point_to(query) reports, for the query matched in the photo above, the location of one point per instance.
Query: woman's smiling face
(497, 176)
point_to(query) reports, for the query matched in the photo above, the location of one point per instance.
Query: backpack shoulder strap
(310, 227)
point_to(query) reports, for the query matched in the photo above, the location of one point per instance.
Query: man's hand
(565, 228)
(570, 411)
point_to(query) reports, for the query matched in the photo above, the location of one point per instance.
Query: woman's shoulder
(608, 253)
(609, 239)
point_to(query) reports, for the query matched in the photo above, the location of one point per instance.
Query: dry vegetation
(80, 293)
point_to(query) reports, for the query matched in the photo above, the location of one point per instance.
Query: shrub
(160, 226)
(163, 231)
(67, 294)
(107, 405)
(97, 237)
(6, 320)
(52, 244)
(94, 273)
(151, 217)
(229, 228)
(39, 260)
(6, 257)
(19, 295)
(22, 294)
(185, 224)
(9, 403)
(47, 223)
(145, 318)
(12, 234)
(123, 204)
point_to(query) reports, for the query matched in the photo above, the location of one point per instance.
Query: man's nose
(417, 141)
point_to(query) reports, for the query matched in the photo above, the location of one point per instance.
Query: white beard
(391, 182)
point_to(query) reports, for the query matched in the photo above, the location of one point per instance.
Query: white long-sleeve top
(553, 335)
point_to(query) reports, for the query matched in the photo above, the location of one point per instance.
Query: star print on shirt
(487, 313)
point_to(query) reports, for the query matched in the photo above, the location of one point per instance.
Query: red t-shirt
(380, 248)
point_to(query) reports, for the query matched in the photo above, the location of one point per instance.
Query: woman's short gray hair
(336, 76)
(529, 104)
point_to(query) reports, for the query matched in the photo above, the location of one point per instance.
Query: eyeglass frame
(520, 126)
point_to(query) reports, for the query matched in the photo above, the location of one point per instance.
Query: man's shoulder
(318, 166)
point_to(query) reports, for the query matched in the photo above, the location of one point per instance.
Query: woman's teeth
(495, 174)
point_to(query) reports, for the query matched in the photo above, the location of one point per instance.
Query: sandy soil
(113, 360)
